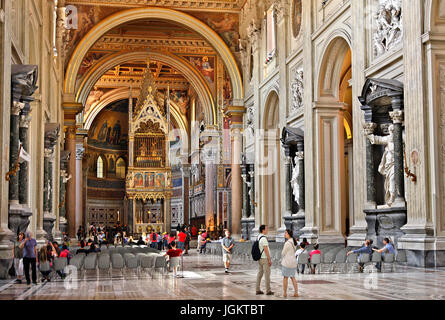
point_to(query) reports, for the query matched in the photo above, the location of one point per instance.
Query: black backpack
(256, 253)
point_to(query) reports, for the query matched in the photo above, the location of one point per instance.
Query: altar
(148, 181)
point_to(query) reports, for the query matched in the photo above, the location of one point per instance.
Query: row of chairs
(116, 261)
(338, 257)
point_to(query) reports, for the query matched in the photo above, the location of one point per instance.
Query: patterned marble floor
(204, 279)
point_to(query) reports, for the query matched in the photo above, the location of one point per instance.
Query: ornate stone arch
(335, 49)
(175, 16)
(176, 62)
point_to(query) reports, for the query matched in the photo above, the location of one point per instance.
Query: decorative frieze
(209, 5)
(388, 33)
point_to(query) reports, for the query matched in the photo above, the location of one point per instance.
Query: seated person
(93, 248)
(366, 249)
(299, 251)
(173, 252)
(82, 248)
(43, 258)
(315, 251)
(65, 253)
(140, 241)
(388, 248)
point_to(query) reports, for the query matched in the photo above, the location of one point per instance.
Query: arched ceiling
(156, 29)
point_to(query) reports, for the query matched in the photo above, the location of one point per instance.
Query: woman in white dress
(289, 263)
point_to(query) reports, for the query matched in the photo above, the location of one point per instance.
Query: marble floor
(204, 279)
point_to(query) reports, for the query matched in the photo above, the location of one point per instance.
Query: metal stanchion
(182, 267)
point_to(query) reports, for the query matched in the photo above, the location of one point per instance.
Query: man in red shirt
(181, 239)
(173, 253)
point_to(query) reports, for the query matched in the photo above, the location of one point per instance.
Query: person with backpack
(260, 253)
(154, 238)
(288, 262)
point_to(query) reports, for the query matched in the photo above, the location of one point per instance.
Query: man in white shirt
(264, 263)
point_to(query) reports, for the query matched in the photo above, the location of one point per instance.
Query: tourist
(79, 233)
(199, 241)
(82, 248)
(153, 239)
(203, 243)
(227, 244)
(187, 240)
(388, 248)
(159, 241)
(140, 241)
(56, 248)
(288, 262)
(194, 231)
(366, 249)
(43, 258)
(65, 253)
(17, 254)
(29, 246)
(92, 248)
(181, 240)
(305, 242)
(172, 253)
(315, 251)
(264, 263)
(171, 238)
(300, 250)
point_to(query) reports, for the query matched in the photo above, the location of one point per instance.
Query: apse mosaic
(110, 128)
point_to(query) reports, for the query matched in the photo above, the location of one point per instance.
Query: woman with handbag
(289, 263)
(17, 253)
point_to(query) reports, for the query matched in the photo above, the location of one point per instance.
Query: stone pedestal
(295, 223)
(247, 226)
(48, 225)
(383, 223)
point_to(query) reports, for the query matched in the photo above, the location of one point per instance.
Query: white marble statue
(249, 186)
(294, 181)
(386, 167)
(388, 31)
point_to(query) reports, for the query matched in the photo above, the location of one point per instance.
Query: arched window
(120, 168)
(100, 167)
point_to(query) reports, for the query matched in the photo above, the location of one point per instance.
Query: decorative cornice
(118, 42)
(189, 5)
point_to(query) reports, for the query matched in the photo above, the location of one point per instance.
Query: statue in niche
(142, 150)
(294, 180)
(386, 167)
(297, 87)
(249, 186)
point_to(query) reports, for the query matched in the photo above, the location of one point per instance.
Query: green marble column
(397, 118)
(369, 128)
(14, 151)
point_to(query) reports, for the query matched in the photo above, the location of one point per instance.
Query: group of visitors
(27, 257)
(368, 249)
(203, 239)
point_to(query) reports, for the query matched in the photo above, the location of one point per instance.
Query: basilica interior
(323, 117)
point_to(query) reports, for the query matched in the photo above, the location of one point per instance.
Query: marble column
(237, 189)
(14, 154)
(209, 192)
(397, 118)
(80, 150)
(185, 169)
(167, 213)
(64, 178)
(369, 128)
(70, 200)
